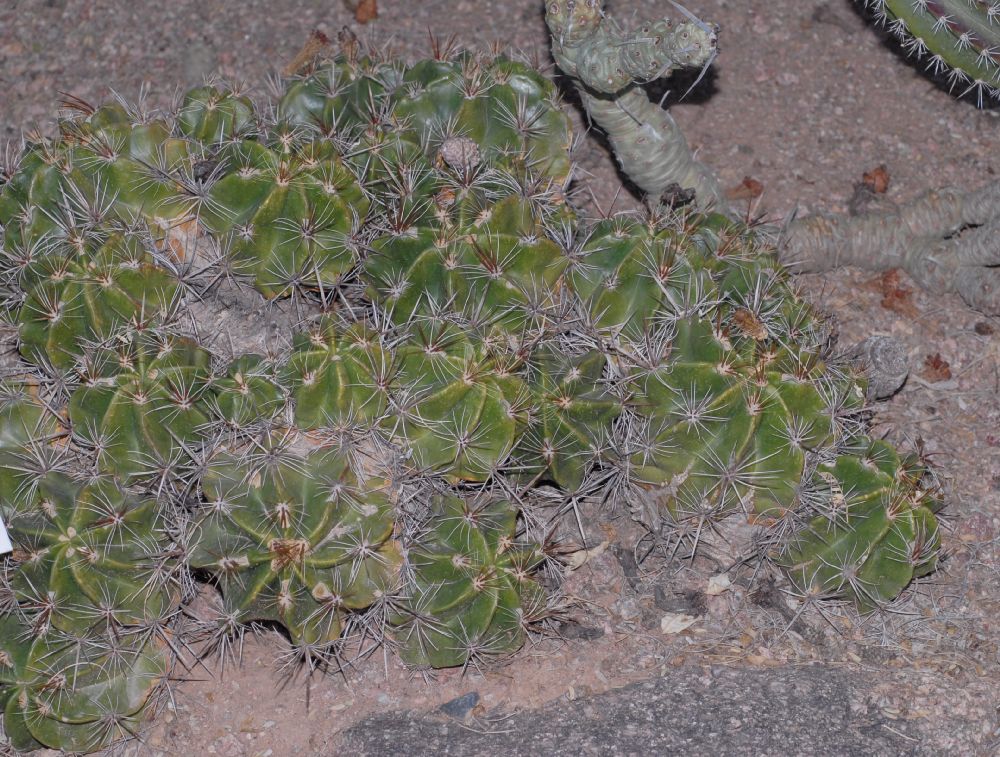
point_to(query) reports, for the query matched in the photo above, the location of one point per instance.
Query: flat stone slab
(722, 711)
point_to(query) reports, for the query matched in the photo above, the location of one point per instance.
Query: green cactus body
(495, 272)
(959, 37)
(89, 557)
(339, 376)
(506, 108)
(479, 337)
(23, 216)
(288, 217)
(724, 429)
(448, 402)
(573, 413)
(134, 161)
(298, 541)
(78, 299)
(249, 393)
(470, 592)
(875, 533)
(341, 97)
(141, 404)
(214, 115)
(75, 694)
(720, 358)
(105, 167)
(456, 409)
(27, 430)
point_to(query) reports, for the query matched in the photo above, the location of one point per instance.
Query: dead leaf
(718, 585)
(877, 180)
(895, 296)
(313, 48)
(675, 623)
(936, 369)
(364, 10)
(748, 189)
(750, 325)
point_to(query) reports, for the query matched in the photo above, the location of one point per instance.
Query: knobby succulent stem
(947, 240)
(608, 66)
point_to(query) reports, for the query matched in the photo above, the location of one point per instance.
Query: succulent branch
(948, 241)
(608, 66)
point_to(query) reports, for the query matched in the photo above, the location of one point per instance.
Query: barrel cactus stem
(608, 66)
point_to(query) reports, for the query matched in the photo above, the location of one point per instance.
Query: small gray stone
(885, 362)
(461, 706)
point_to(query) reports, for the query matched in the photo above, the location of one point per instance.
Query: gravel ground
(805, 98)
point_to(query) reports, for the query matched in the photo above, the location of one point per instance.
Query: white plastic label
(5, 545)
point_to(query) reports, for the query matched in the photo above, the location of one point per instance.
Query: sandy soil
(805, 97)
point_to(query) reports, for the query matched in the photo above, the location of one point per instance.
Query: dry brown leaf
(364, 10)
(936, 369)
(895, 296)
(750, 325)
(877, 180)
(313, 48)
(748, 189)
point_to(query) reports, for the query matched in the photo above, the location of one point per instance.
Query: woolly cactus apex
(875, 530)
(958, 37)
(90, 558)
(141, 406)
(75, 693)
(289, 215)
(469, 595)
(80, 297)
(302, 542)
(607, 63)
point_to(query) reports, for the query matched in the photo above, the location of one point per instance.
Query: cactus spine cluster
(467, 338)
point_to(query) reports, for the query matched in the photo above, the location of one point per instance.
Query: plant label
(5, 545)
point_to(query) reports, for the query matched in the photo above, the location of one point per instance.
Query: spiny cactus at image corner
(470, 346)
(959, 39)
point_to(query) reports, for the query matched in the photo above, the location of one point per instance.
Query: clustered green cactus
(468, 337)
